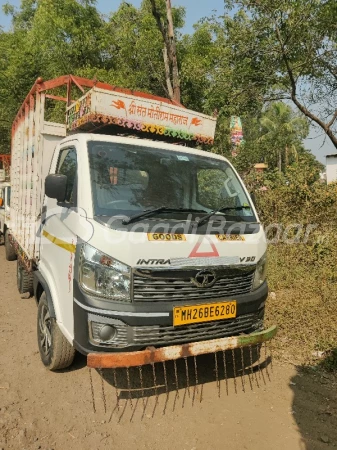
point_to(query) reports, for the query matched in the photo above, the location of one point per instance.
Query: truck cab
(129, 254)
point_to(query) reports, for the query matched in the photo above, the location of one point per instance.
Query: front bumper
(154, 355)
(151, 325)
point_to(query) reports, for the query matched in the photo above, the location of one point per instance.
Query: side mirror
(55, 186)
(253, 197)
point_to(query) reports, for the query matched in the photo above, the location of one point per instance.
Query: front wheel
(55, 351)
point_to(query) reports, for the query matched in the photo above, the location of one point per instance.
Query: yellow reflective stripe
(69, 247)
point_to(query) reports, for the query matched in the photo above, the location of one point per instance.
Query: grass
(304, 304)
(302, 276)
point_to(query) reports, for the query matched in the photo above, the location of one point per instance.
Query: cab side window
(67, 165)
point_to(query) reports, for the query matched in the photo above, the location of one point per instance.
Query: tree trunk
(286, 156)
(170, 50)
(168, 74)
(280, 161)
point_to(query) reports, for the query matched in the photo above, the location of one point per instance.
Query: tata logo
(204, 279)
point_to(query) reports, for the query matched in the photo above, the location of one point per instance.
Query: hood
(138, 249)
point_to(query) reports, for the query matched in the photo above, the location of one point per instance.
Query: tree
(47, 39)
(283, 131)
(170, 49)
(274, 136)
(198, 56)
(294, 43)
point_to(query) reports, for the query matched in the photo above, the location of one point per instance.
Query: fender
(38, 279)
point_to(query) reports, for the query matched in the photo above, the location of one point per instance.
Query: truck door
(58, 242)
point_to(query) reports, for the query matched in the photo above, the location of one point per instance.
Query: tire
(55, 351)
(24, 280)
(9, 249)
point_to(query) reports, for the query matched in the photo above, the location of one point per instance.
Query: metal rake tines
(92, 391)
(103, 389)
(249, 364)
(217, 373)
(225, 369)
(150, 383)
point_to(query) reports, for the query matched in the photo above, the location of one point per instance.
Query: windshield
(128, 179)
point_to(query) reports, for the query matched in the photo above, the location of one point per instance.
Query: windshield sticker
(230, 237)
(182, 158)
(166, 237)
(208, 249)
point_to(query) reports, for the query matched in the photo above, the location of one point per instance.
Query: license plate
(184, 315)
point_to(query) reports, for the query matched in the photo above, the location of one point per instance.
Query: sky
(195, 10)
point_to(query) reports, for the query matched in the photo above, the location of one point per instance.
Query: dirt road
(44, 410)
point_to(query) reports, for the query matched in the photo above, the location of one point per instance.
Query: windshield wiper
(151, 212)
(215, 211)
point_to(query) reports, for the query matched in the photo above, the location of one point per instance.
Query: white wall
(331, 168)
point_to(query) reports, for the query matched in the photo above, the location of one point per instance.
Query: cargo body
(132, 243)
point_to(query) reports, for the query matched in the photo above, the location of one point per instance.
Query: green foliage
(198, 55)
(282, 131)
(304, 306)
(291, 47)
(274, 137)
(48, 39)
(229, 65)
(294, 197)
(51, 38)
(302, 273)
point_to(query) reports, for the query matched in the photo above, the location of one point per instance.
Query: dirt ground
(43, 410)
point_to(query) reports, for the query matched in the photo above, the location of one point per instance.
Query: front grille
(164, 335)
(159, 286)
(161, 335)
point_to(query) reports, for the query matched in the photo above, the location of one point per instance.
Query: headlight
(260, 272)
(104, 276)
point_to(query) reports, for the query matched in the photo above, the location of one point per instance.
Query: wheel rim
(45, 331)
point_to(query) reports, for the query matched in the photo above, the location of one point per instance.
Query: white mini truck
(138, 250)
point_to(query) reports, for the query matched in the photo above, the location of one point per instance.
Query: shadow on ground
(315, 404)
